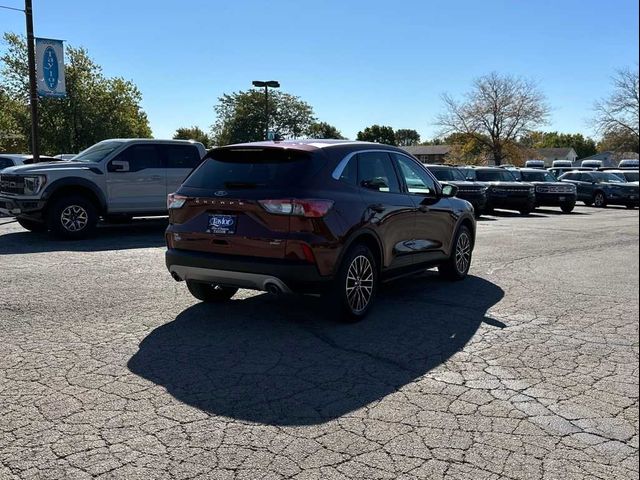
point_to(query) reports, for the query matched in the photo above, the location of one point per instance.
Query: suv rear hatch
(240, 201)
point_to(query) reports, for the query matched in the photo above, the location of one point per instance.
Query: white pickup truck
(114, 179)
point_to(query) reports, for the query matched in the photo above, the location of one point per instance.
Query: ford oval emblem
(221, 193)
(50, 68)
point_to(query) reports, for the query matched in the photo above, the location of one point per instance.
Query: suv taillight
(175, 201)
(308, 207)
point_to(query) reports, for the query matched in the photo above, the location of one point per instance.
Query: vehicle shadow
(280, 362)
(548, 211)
(139, 233)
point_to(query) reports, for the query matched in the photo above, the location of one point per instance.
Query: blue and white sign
(50, 68)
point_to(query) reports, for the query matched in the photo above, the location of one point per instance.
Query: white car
(12, 159)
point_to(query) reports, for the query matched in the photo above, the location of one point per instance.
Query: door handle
(378, 208)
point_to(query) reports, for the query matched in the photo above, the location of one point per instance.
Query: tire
(355, 286)
(457, 266)
(567, 207)
(588, 203)
(210, 293)
(32, 225)
(72, 217)
(600, 200)
(526, 211)
(631, 207)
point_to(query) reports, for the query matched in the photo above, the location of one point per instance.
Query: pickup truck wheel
(210, 293)
(32, 225)
(72, 217)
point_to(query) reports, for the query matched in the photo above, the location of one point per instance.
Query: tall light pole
(266, 85)
(33, 92)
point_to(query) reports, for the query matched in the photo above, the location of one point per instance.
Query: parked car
(595, 164)
(504, 191)
(473, 192)
(549, 191)
(534, 164)
(629, 163)
(559, 171)
(602, 189)
(630, 176)
(330, 217)
(113, 179)
(65, 156)
(11, 160)
(562, 163)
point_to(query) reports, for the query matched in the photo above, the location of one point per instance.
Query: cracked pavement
(527, 370)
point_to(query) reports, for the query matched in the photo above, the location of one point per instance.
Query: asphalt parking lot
(527, 370)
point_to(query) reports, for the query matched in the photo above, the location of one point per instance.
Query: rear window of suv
(254, 168)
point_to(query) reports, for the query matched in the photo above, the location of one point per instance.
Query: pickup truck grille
(12, 184)
(555, 189)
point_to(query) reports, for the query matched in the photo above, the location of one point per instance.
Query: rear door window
(181, 156)
(254, 168)
(376, 172)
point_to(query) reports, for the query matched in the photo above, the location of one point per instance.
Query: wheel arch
(75, 186)
(365, 237)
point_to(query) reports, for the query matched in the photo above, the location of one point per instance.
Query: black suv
(504, 190)
(602, 189)
(550, 192)
(473, 192)
(316, 216)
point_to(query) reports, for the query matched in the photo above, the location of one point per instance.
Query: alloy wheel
(599, 200)
(360, 278)
(74, 218)
(463, 253)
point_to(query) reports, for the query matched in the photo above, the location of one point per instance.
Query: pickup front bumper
(21, 207)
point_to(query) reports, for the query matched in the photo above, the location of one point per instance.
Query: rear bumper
(245, 272)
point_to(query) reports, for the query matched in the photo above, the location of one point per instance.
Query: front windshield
(97, 152)
(538, 177)
(497, 175)
(468, 173)
(448, 174)
(605, 177)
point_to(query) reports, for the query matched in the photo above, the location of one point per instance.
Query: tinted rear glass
(254, 169)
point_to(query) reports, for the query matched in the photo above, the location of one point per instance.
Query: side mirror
(118, 166)
(449, 191)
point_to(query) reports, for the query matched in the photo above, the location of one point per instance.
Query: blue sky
(356, 62)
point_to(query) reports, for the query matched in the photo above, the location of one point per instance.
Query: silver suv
(114, 179)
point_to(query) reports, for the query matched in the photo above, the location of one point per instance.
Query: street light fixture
(266, 85)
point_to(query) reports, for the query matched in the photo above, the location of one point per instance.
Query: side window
(418, 181)
(181, 156)
(376, 172)
(5, 162)
(140, 157)
(350, 173)
(585, 177)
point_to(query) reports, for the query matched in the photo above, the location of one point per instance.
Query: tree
(406, 137)
(378, 134)
(496, 111)
(617, 117)
(95, 108)
(193, 133)
(584, 146)
(240, 116)
(324, 130)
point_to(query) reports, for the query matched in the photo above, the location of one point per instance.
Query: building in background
(429, 153)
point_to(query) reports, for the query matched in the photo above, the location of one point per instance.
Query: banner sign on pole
(50, 68)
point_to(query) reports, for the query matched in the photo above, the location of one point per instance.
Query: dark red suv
(317, 216)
